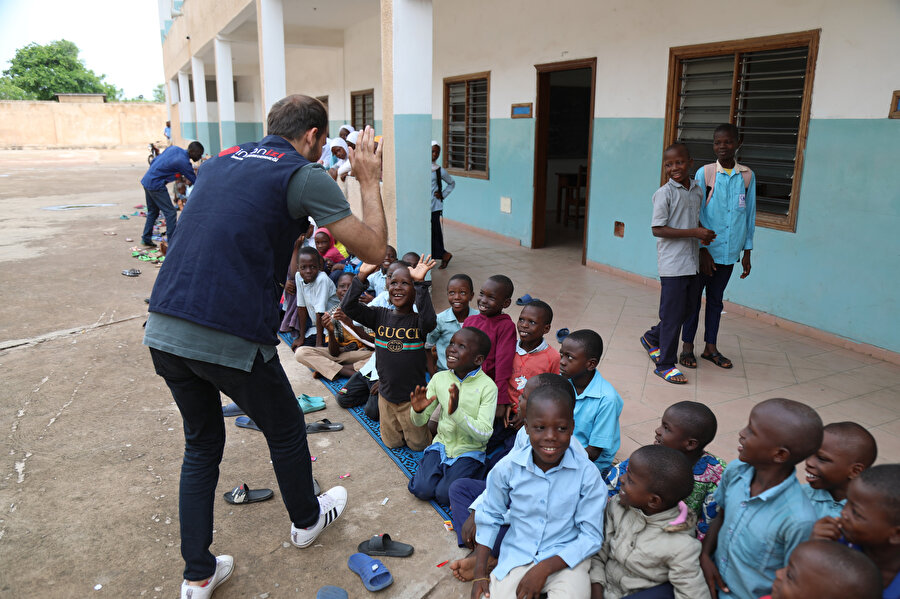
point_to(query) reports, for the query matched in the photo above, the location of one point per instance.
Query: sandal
(322, 426)
(243, 494)
(132, 272)
(718, 359)
(687, 359)
(651, 350)
(669, 375)
(309, 403)
(384, 545)
(374, 574)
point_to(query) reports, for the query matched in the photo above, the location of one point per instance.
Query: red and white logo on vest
(239, 154)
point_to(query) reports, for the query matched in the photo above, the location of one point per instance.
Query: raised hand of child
(712, 576)
(454, 398)
(421, 269)
(326, 321)
(365, 269)
(419, 399)
(706, 236)
(827, 528)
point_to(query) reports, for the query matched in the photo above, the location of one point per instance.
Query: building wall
(25, 124)
(837, 272)
(362, 64)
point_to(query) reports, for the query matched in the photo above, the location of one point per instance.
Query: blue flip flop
(562, 334)
(330, 592)
(232, 409)
(375, 575)
(309, 403)
(525, 299)
(246, 422)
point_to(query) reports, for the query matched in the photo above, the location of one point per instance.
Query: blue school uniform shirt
(823, 503)
(758, 533)
(440, 337)
(558, 512)
(164, 167)
(730, 212)
(597, 411)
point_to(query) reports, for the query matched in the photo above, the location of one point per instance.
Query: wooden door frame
(542, 97)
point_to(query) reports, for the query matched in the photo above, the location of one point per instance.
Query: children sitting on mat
(553, 498)
(847, 450)
(687, 426)
(399, 346)
(349, 346)
(316, 293)
(468, 400)
(649, 542)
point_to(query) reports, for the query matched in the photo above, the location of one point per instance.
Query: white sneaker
(224, 568)
(331, 505)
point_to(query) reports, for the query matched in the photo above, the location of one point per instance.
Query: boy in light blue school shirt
(459, 294)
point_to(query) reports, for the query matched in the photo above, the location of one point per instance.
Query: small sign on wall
(895, 106)
(521, 111)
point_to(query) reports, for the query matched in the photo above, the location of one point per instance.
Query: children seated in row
(870, 523)
(348, 347)
(847, 450)
(533, 355)
(827, 570)
(688, 427)
(598, 405)
(468, 400)
(553, 499)
(649, 543)
(763, 512)
(315, 292)
(399, 347)
(460, 291)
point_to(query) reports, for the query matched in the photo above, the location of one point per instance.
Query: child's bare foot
(464, 569)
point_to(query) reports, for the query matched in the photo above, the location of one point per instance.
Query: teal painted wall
(248, 132)
(511, 174)
(189, 131)
(413, 136)
(228, 132)
(208, 135)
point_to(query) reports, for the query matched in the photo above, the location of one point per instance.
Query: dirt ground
(92, 440)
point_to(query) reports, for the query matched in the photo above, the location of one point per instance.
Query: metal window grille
(467, 125)
(764, 99)
(362, 109)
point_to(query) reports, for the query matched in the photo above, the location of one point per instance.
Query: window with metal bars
(763, 86)
(466, 124)
(362, 109)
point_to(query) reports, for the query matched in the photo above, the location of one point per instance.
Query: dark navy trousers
(432, 478)
(462, 493)
(715, 291)
(677, 297)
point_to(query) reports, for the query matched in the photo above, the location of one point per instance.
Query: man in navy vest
(214, 314)
(172, 161)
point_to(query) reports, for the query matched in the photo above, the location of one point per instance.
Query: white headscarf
(348, 127)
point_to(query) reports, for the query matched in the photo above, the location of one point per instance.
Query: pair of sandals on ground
(686, 359)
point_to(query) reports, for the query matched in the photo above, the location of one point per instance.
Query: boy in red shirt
(533, 355)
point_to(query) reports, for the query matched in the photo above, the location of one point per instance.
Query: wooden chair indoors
(575, 197)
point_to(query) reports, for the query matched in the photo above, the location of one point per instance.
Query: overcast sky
(116, 38)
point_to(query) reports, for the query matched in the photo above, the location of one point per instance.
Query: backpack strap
(747, 174)
(709, 175)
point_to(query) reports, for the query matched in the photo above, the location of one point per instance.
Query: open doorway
(562, 156)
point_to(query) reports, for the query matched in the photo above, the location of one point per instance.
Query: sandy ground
(92, 441)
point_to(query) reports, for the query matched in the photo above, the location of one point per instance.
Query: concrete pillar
(270, 33)
(207, 132)
(406, 58)
(225, 92)
(185, 115)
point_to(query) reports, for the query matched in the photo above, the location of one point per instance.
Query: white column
(199, 73)
(270, 33)
(225, 92)
(185, 117)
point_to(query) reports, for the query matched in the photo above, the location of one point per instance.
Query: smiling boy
(847, 450)
(468, 400)
(459, 294)
(315, 292)
(533, 355)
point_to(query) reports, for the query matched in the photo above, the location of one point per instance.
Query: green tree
(56, 69)
(9, 91)
(159, 93)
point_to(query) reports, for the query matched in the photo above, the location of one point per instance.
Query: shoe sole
(327, 524)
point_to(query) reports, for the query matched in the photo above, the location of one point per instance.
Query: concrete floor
(92, 449)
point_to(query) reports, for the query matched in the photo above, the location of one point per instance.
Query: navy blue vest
(232, 249)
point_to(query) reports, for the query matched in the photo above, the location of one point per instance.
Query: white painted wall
(362, 62)
(854, 78)
(248, 107)
(318, 71)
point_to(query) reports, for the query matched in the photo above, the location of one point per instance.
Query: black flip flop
(243, 494)
(323, 426)
(383, 545)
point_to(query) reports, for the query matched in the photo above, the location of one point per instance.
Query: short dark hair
(670, 472)
(505, 283)
(859, 576)
(548, 379)
(682, 147)
(885, 480)
(855, 440)
(482, 341)
(195, 147)
(696, 419)
(346, 273)
(465, 279)
(801, 428)
(294, 115)
(590, 340)
(390, 247)
(552, 393)
(729, 128)
(410, 255)
(312, 252)
(403, 262)
(544, 306)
